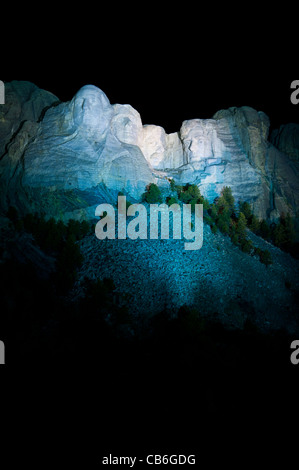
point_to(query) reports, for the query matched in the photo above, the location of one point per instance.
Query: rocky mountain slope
(219, 280)
(66, 158)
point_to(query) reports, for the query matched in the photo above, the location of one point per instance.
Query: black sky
(168, 100)
(186, 64)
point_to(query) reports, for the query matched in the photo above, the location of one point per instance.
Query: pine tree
(254, 224)
(227, 198)
(172, 184)
(223, 220)
(246, 210)
(265, 257)
(279, 235)
(213, 211)
(290, 230)
(152, 194)
(190, 194)
(264, 230)
(241, 224)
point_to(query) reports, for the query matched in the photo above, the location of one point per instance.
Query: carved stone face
(92, 112)
(126, 124)
(200, 139)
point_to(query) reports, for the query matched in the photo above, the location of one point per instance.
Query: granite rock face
(85, 142)
(24, 101)
(69, 157)
(83, 145)
(285, 165)
(286, 139)
(232, 149)
(163, 151)
(215, 158)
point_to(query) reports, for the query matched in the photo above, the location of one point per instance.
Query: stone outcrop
(84, 145)
(215, 158)
(24, 101)
(286, 139)
(232, 150)
(163, 151)
(86, 142)
(66, 158)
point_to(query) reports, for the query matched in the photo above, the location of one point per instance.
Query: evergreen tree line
(57, 239)
(60, 239)
(281, 234)
(40, 325)
(223, 215)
